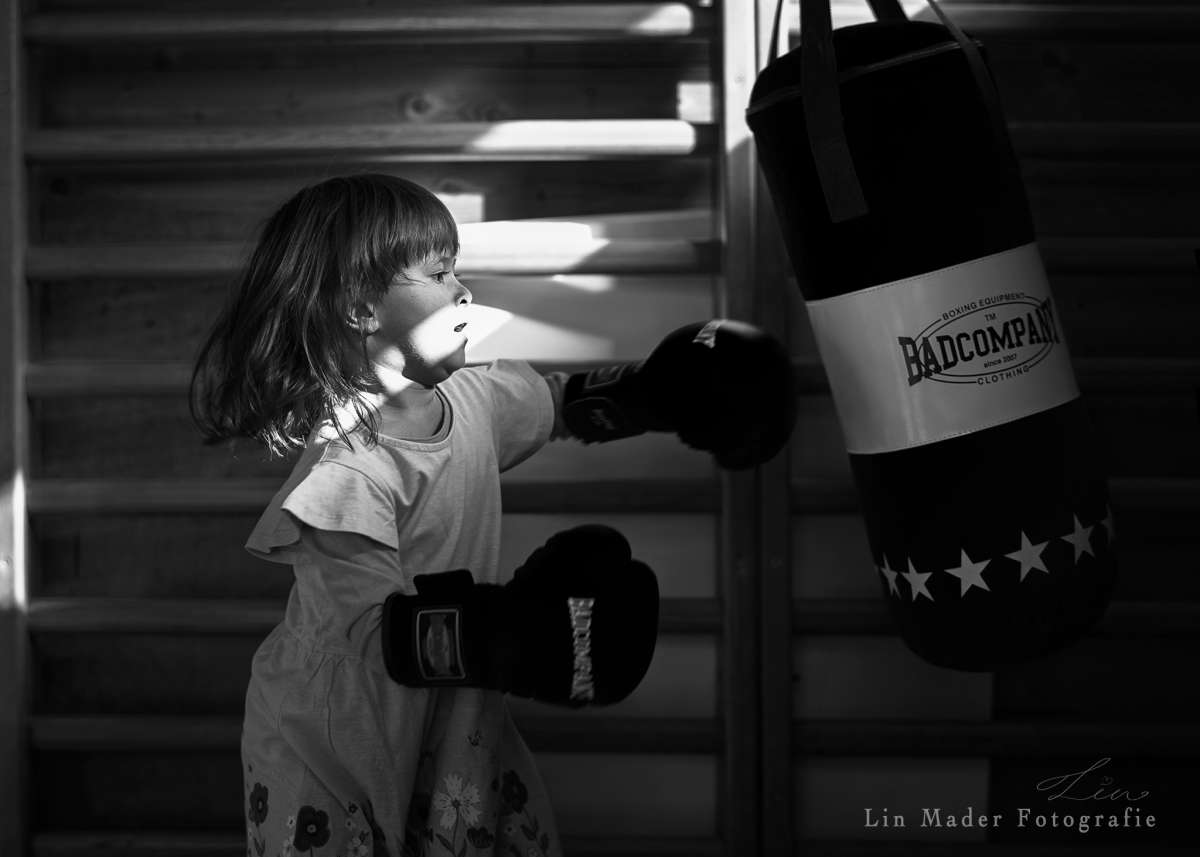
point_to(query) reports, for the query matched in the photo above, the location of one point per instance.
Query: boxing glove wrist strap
(447, 634)
(606, 404)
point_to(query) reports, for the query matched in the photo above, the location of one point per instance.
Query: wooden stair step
(480, 23)
(522, 139)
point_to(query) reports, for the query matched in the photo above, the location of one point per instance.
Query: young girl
(345, 338)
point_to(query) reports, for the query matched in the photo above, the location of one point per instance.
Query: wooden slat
(512, 255)
(191, 843)
(1095, 376)
(816, 496)
(740, 570)
(1087, 254)
(228, 616)
(578, 255)
(1141, 619)
(539, 139)
(581, 22)
(1106, 376)
(994, 739)
(1118, 254)
(596, 734)
(1081, 141)
(71, 379)
(14, 654)
(217, 495)
(525, 23)
(772, 311)
(545, 734)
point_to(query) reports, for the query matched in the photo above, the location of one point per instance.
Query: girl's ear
(362, 318)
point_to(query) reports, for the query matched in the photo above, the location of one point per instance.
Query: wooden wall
(608, 194)
(576, 144)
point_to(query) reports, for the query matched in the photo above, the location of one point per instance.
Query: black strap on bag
(821, 98)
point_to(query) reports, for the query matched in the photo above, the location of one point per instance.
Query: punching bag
(905, 219)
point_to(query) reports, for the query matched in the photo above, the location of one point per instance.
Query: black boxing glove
(576, 626)
(725, 387)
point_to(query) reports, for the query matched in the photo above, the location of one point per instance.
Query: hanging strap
(883, 10)
(821, 97)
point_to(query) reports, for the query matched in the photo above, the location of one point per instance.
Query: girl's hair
(283, 354)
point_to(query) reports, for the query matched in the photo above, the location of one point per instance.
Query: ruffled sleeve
(332, 496)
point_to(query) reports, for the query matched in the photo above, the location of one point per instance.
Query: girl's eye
(440, 277)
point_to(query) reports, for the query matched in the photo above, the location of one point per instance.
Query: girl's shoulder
(335, 486)
(500, 380)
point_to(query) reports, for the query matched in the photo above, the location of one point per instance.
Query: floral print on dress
(312, 828)
(359, 844)
(514, 798)
(451, 819)
(257, 814)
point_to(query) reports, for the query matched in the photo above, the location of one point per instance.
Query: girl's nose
(464, 295)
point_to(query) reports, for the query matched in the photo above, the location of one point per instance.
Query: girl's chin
(434, 373)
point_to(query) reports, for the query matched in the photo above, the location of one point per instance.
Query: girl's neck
(406, 409)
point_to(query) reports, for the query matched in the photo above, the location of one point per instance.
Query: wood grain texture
(493, 141)
(347, 84)
(228, 202)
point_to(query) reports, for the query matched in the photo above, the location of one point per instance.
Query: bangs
(410, 226)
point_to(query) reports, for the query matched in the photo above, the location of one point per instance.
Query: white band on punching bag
(944, 353)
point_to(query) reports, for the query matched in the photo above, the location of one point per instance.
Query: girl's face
(420, 322)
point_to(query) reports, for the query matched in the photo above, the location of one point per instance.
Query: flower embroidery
(357, 846)
(458, 801)
(312, 829)
(480, 837)
(514, 792)
(258, 803)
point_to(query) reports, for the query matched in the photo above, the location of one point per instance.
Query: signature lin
(1080, 786)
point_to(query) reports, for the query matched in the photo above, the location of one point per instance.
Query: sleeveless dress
(338, 759)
